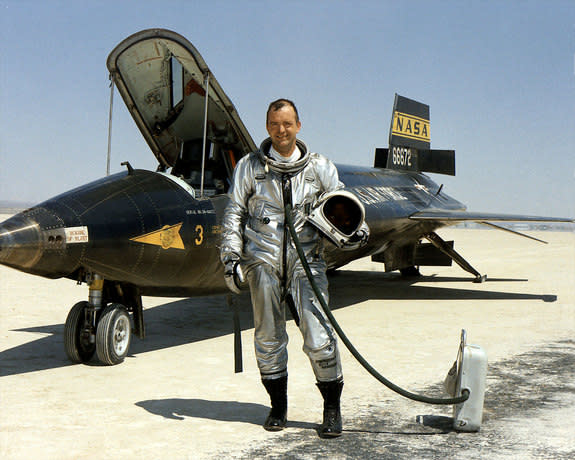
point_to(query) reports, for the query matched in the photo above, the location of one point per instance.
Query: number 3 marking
(200, 235)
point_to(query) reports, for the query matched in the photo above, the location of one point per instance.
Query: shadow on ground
(190, 320)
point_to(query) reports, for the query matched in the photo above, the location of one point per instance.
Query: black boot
(331, 392)
(277, 389)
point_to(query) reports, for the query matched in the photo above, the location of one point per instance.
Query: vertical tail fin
(409, 124)
(410, 141)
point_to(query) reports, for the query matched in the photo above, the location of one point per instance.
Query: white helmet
(339, 215)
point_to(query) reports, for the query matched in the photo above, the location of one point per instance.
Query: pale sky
(499, 77)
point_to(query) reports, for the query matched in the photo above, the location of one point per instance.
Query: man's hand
(233, 275)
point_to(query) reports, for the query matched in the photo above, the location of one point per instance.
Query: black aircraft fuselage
(147, 229)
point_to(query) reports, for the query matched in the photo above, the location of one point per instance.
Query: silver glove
(234, 276)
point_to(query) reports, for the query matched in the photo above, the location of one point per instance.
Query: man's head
(282, 124)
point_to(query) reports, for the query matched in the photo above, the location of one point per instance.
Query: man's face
(283, 127)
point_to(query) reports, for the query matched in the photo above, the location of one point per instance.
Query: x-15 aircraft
(156, 233)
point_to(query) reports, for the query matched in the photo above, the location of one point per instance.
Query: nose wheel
(78, 340)
(114, 334)
(109, 339)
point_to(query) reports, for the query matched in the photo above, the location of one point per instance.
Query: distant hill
(11, 207)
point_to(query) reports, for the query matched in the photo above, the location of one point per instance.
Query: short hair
(278, 104)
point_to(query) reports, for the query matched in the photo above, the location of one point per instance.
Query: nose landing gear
(95, 327)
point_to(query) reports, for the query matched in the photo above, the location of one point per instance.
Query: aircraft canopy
(162, 80)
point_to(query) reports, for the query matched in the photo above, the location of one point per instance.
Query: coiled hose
(347, 342)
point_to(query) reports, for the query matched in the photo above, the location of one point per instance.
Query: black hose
(346, 341)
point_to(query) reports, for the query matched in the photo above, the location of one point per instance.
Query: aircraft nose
(20, 242)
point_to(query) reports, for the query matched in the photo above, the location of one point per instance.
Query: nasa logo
(410, 126)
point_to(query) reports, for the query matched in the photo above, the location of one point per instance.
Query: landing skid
(440, 244)
(410, 272)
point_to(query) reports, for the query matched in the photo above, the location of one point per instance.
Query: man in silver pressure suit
(256, 242)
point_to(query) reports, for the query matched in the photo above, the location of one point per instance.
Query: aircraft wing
(448, 216)
(453, 217)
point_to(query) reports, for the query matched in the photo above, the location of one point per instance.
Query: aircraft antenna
(207, 86)
(110, 126)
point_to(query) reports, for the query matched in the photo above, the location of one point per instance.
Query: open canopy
(162, 79)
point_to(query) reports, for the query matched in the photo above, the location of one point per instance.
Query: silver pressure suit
(254, 231)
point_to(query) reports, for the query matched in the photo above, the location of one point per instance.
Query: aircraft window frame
(176, 82)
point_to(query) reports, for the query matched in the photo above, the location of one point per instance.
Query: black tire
(114, 334)
(78, 348)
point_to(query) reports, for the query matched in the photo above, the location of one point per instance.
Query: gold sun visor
(164, 82)
(338, 216)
